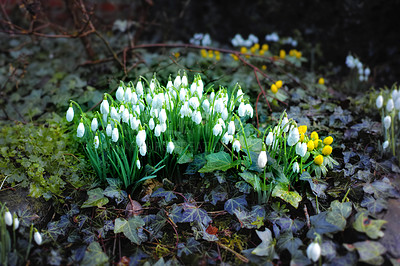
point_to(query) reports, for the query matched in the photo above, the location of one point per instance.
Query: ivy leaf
(129, 228)
(218, 161)
(94, 255)
(198, 162)
(167, 195)
(193, 213)
(190, 247)
(267, 246)
(96, 198)
(292, 197)
(289, 242)
(235, 203)
(254, 144)
(176, 213)
(366, 225)
(243, 187)
(374, 206)
(115, 193)
(381, 189)
(339, 213)
(320, 225)
(287, 224)
(218, 194)
(369, 251)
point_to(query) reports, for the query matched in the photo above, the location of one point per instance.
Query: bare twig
(239, 256)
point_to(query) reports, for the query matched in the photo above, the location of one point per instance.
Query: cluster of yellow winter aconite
(295, 53)
(210, 54)
(276, 86)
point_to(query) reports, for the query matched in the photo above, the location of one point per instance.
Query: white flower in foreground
(397, 104)
(269, 139)
(138, 163)
(163, 127)
(94, 124)
(227, 138)
(38, 237)
(390, 105)
(196, 117)
(217, 130)
(104, 106)
(120, 93)
(81, 130)
(114, 113)
(262, 158)
(206, 106)
(70, 113)
(108, 130)
(162, 116)
(385, 145)
(314, 251)
(236, 145)
(379, 101)
(294, 136)
(395, 94)
(169, 84)
(177, 82)
(296, 168)
(387, 121)
(184, 80)
(143, 149)
(151, 123)
(170, 147)
(242, 109)
(8, 218)
(157, 130)
(96, 142)
(141, 137)
(139, 88)
(128, 94)
(115, 134)
(16, 223)
(284, 125)
(249, 110)
(231, 127)
(301, 149)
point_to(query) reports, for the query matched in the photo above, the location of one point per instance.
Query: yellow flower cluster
(295, 53)
(276, 86)
(210, 54)
(321, 81)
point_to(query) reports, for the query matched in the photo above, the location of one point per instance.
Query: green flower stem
(28, 250)
(245, 139)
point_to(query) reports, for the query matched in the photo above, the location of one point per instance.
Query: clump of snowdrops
(148, 126)
(388, 102)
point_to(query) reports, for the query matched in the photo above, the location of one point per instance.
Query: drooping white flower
(108, 130)
(296, 167)
(397, 104)
(193, 87)
(38, 238)
(134, 98)
(185, 110)
(262, 159)
(177, 82)
(143, 149)
(70, 113)
(139, 88)
(231, 127)
(170, 147)
(314, 251)
(115, 134)
(389, 105)
(125, 116)
(151, 123)
(138, 163)
(104, 107)
(206, 106)
(239, 94)
(294, 136)
(395, 94)
(120, 94)
(387, 121)
(242, 109)
(236, 145)
(284, 125)
(379, 101)
(8, 218)
(114, 114)
(157, 130)
(94, 125)
(249, 110)
(169, 84)
(217, 130)
(128, 94)
(80, 130)
(196, 117)
(152, 84)
(227, 138)
(200, 87)
(367, 71)
(162, 116)
(184, 80)
(96, 142)
(194, 102)
(301, 149)
(385, 144)
(269, 139)
(224, 114)
(141, 137)
(16, 222)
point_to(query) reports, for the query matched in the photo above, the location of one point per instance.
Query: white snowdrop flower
(163, 127)
(138, 163)
(169, 84)
(38, 237)
(239, 94)
(194, 103)
(152, 84)
(231, 127)
(221, 122)
(128, 94)
(262, 158)
(379, 101)
(162, 116)
(206, 106)
(284, 125)
(273, 37)
(314, 251)
(225, 114)
(253, 38)
(120, 94)
(395, 94)
(185, 110)
(196, 117)
(236, 145)
(170, 147)
(362, 78)
(114, 114)
(242, 109)
(184, 80)
(361, 72)
(385, 144)
(139, 88)
(8, 218)
(151, 123)
(134, 98)
(115, 134)
(81, 130)
(301, 149)
(294, 136)
(389, 105)
(296, 167)
(94, 125)
(269, 139)
(397, 104)
(219, 105)
(193, 87)
(125, 116)
(249, 110)
(227, 138)
(177, 82)
(387, 121)
(104, 107)
(350, 61)
(182, 94)
(206, 41)
(217, 130)
(70, 113)
(134, 123)
(141, 107)
(96, 142)
(367, 71)
(200, 87)
(108, 130)
(149, 99)
(157, 130)
(143, 149)
(16, 223)
(141, 137)
(212, 96)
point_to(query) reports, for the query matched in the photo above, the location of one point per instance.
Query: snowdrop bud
(104, 106)
(200, 87)
(262, 158)
(389, 105)
(301, 149)
(387, 121)
(70, 113)
(212, 96)
(170, 147)
(285, 128)
(367, 71)
(157, 130)
(134, 98)
(269, 139)
(194, 102)
(94, 124)
(314, 251)
(114, 113)
(8, 218)
(224, 114)
(81, 130)
(362, 78)
(141, 137)
(196, 117)
(152, 85)
(217, 130)
(379, 101)
(138, 163)
(294, 136)
(115, 134)
(249, 110)
(151, 123)
(125, 116)
(16, 222)
(360, 72)
(395, 94)
(162, 116)
(38, 238)
(236, 145)
(239, 94)
(120, 93)
(108, 130)
(193, 87)
(163, 127)
(206, 106)
(296, 168)
(231, 127)
(242, 109)
(139, 88)
(184, 80)
(169, 84)
(397, 104)
(227, 138)
(177, 81)
(128, 94)
(143, 149)
(96, 142)
(385, 145)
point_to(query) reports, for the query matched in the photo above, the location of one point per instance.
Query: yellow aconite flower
(203, 52)
(274, 88)
(301, 136)
(177, 54)
(302, 129)
(328, 140)
(256, 46)
(321, 81)
(265, 47)
(253, 50)
(243, 50)
(279, 84)
(310, 145)
(319, 159)
(210, 53)
(282, 54)
(314, 135)
(217, 55)
(316, 143)
(298, 54)
(327, 150)
(261, 52)
(292, 52)
(235, 57)
(264, 67)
